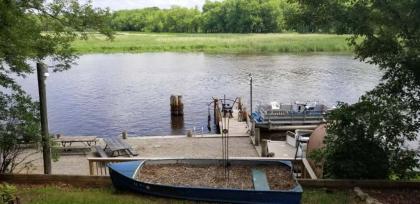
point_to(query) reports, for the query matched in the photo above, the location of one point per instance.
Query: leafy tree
(236, 16)
(19, 118)
(387, 34)
(31, 31)
(175, 19)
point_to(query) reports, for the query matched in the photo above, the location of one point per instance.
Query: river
(105, 94)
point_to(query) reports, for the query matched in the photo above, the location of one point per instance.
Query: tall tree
(387, 34)
(32, 31)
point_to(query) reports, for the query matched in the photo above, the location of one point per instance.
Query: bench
(260, 180)
(101, 152)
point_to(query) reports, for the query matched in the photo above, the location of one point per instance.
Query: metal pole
(46, 149)
(250, 87)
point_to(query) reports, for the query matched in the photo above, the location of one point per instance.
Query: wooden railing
(98, 166)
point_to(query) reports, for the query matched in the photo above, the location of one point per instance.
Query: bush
(7, 193)
(358, 148)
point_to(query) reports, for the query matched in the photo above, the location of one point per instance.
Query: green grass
(133, 42)
(321, 196)
(67, 195)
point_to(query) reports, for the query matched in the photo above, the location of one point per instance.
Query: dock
(243, 143)
(237, 128)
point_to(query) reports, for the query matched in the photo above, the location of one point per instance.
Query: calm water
(108, 93)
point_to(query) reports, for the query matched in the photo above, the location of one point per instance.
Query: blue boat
(124, 176)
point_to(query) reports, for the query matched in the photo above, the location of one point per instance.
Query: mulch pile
(210, 176)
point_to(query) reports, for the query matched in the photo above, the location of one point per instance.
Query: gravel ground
(192, 147)
(196, 147)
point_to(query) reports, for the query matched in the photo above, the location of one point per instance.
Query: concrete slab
(281, 150)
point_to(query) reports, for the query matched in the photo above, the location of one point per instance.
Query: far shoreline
(216, 43)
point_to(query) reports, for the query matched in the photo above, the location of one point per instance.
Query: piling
(257, 136)
(177, 122)
(264, 148)
(124, 135)
(217, 114)
(177, 107)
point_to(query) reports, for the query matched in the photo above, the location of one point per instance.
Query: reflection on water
(177, 124)
(108, 93)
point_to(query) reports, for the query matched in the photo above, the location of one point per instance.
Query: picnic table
(116, 147)
(67, 141)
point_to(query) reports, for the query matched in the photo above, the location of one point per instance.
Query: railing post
(90, 167)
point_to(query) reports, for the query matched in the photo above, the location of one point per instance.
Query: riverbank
(135, 42)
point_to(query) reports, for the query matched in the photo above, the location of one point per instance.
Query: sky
(133, 4)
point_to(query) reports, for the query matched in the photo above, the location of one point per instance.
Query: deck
(237, 128)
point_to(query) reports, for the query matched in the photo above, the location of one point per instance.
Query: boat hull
(123, 181)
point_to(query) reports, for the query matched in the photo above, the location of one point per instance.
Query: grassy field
(66, 195)
(214, 43)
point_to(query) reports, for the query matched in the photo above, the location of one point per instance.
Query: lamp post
(250, 92)
(42, 72)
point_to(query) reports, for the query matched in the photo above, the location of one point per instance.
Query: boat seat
(260, 180)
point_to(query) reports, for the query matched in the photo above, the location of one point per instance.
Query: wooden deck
(237, 128)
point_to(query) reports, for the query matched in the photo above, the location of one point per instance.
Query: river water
(105, 94)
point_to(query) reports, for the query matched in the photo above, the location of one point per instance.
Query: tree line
(228, 16)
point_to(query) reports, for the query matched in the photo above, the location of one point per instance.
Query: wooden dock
(236, 128)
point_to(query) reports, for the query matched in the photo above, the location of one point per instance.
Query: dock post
(257, 136)
(217, 113)
(124, 134)
(264, 148)
(177, 107)
(240, 114)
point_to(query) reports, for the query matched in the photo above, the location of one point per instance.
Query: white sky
(133, 4)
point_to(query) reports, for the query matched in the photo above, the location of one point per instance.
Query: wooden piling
(177, 107)
(264, 148)
(257, 136)
(217, 113)
(124, 135)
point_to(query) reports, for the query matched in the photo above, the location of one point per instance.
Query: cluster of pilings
(177, 112)
(177, 107)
